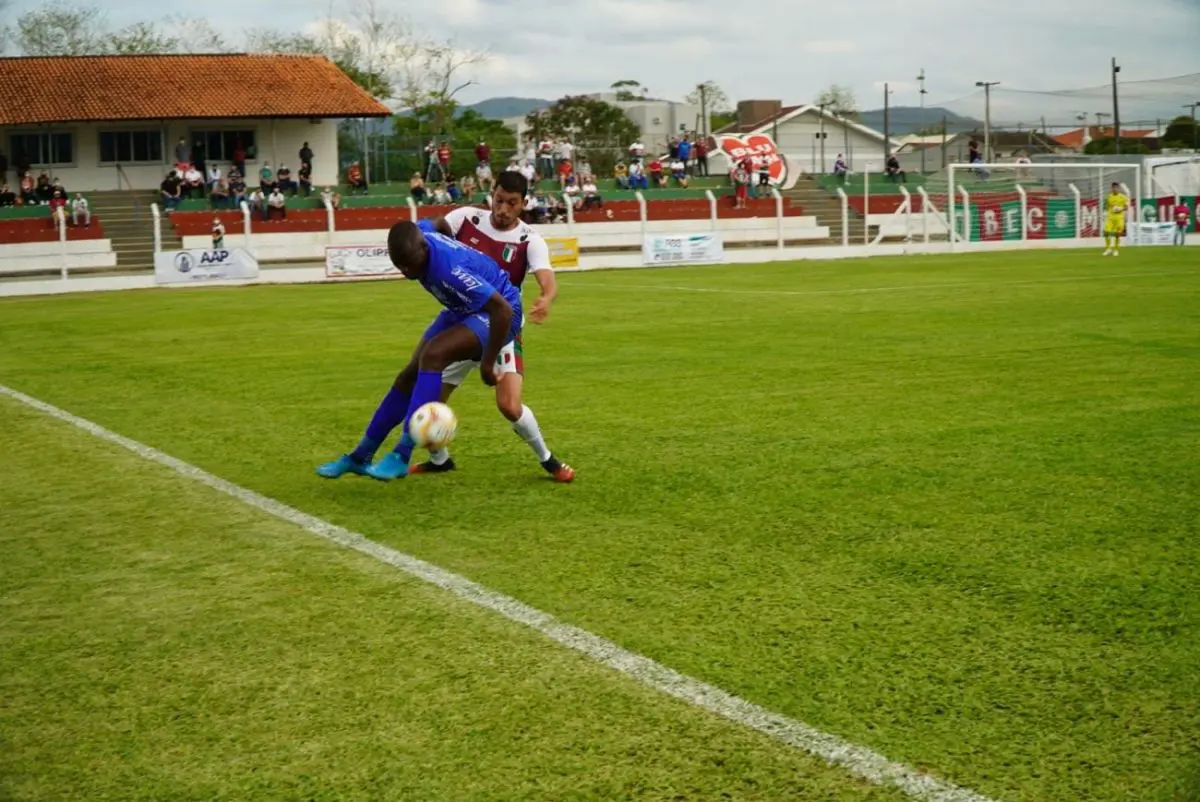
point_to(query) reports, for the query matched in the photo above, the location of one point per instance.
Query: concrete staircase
(826, 207)
(128, 222)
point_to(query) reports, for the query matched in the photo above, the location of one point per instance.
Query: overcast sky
(784, 49)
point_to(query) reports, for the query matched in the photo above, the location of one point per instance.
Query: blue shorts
(478, 323)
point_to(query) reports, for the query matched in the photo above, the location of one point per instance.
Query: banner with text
(1152, 234)
(564, 251)
(683, 249)
(348, 261)
(180, 267)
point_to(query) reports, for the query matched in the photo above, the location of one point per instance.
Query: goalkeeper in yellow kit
(1116, 205)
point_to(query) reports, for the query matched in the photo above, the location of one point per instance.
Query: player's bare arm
(548, 285)
(442, 225)
(500, 316)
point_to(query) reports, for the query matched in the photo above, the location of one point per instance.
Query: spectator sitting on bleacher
(58, 203)
(566, 171)
(484, 178)
(237, 188)
(621, 176)
(266, 177)
(80, 211)
(214, 176)
(305, 177)
(170, 191)
(840, 168)
(257, 202)
(893, 171)
(218, 233)
(530, 172)
(276, 205)
(513, 166)
(218, 194)
(416, 188)
(679, 172)
(28, 194)
(453, 191)
(583, 167)
(591, 195)
(356, 179)
(572, 192)
(637, 176)
(331, 197)
(440, 196)
(193, 182)
(657, 179)
(7, 196)
(57, 186)
(283, 180)
(45, 191)
(467, 191)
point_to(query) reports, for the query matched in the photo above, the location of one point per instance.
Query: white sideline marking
(858, 760)
(870, 290)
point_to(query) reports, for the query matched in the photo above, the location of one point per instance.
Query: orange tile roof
(738, 128)
(1075, 139)
(58, 89)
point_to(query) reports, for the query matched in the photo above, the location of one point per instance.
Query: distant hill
(498, 108)
(910, 119)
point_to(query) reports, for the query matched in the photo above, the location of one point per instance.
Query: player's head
(1116, 187)
(407, 248)
(508, 199)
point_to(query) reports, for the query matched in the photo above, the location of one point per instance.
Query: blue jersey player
(482, 314)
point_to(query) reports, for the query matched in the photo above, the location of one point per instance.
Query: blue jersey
(463, 279)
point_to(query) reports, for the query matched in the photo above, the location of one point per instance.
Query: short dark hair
(406, 244)
(512, 181)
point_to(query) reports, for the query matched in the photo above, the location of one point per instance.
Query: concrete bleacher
(30, 243)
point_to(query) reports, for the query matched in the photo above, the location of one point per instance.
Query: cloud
(830, 46)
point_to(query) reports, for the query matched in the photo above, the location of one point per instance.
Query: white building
(657, 120)
(809, 135)
(114, 122)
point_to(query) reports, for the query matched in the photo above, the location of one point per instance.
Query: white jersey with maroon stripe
(518, 251)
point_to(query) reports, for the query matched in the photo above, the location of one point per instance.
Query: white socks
(527, 429)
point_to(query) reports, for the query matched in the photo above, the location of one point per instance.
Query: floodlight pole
(1195, 139)
(921, 81)
(987, 118)
(1116, 108)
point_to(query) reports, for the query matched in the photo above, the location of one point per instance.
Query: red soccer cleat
(561, 471)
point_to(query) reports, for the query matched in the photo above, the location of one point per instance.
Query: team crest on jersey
(508, 253)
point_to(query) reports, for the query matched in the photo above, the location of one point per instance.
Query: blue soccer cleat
(392, 466)
(343, 465)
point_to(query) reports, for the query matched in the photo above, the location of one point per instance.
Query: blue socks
(392, 411)
(428, 388)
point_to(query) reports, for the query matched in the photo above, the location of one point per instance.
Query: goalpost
(1043, 204)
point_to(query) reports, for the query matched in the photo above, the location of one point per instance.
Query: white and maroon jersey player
(519, 251)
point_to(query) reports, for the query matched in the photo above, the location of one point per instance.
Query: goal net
(1032, 201)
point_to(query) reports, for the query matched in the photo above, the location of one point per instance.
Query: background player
(482, 314)
(1116, 205)
(518, 249)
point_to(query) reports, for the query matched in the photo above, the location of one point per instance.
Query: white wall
(798, 139)
(277, 140)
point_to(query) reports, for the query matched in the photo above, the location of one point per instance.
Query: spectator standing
(183, 154)
(21, 162)
(685, 152)
(701, 150)
(218, 233)
(80, 211)
(306, 156)
(545, 163)
(565, 150)
(741, 184)
(198, 156)
(1183, 216)
(443, 155)
(672, 149)
(483, 153)
(531, 176)
(239, 156)
(840, 168)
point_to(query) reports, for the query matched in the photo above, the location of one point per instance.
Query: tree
(84, 31)
(599, 129)
(629, 89)
(436, 77)
(838, 100)
(1182, 132)
(1105, 146)
(714, 103)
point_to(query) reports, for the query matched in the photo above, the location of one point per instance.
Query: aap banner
(184, 267)
(683, 249)
(783, 171)
(358, 261)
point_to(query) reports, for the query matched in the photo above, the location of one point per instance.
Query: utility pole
(921, 81)
(1116, 107)
(821, 135)
(704, 110)
(887, 125)
(987, 118)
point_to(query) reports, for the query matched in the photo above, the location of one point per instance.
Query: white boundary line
(871, 290)
(859, 761)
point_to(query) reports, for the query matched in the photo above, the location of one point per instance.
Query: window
(130, 147)
(43, 149)
(220, 145)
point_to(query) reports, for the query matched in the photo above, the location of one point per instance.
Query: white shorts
(509, 360)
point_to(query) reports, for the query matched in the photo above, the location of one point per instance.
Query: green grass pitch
(946, 508)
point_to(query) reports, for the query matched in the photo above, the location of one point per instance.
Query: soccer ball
(433, 426)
